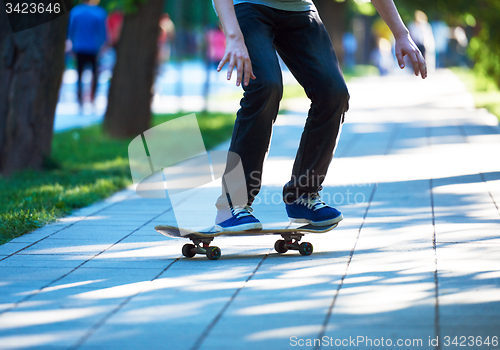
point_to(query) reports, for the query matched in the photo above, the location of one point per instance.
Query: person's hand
(406, 47)
(236, 55)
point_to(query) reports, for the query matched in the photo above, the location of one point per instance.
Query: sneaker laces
(313, 202)
(239, 212)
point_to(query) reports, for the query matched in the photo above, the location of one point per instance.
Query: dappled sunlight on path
(416, 257)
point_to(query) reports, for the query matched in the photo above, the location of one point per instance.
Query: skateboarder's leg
(259, 106)
(260, 103)
(303, 43)
(305, 47)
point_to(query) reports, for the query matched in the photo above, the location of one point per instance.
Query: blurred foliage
(486, 53)
(363, 8)
(186, 14)
(484, 89)
(126, 6)
(481, 17)
(191, 14)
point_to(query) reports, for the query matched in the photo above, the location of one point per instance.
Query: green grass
(484, 89)
(85, 166)
(360, 70)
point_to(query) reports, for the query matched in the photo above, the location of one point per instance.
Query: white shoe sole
(244, 227)
(318, 223)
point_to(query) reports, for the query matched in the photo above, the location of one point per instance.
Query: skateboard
(202, 239)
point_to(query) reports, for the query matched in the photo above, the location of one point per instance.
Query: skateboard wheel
(280, 246)
(213, 253)
(188, 250)
(305, 248)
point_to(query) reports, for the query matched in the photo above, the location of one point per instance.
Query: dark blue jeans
(304, 45)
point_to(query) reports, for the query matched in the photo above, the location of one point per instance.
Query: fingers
(419, 65)
(239, 71)
(406, 47)
(400, 58)
(423, 66)
(248, 73)
(230, 68)
(243, 70)
(222, 63)
(243, 67)
(415, 63)
(239, 59)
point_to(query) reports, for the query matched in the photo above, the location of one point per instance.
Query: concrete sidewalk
(417, 257)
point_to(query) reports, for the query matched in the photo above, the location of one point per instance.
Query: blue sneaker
(241, 219)
(312, 210)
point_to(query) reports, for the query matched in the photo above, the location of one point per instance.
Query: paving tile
(46, 261)
(85, 233)
(12, 294)
(112, 262)
(67, 247)
(153, 337)
(70, 296)
(109, 277)
(40, 233)
(104, 222)
(27, 274)
(473, 232)
(61, 336)
(18, 283)
(11, 248)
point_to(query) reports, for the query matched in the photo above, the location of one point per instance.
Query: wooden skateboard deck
(202, 239)
(178, 232)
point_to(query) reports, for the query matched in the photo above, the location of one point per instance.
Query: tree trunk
(334, 14)
(31, 68)
(130, 92)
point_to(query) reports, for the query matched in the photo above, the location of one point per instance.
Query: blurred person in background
(166, 37)
(350, 47)
(460, 50)
(114, 25)
(382, 56)
(441, 33)
(421, 32)
(87, 33)
(215, 48)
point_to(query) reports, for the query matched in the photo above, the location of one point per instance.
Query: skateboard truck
(291, 241)
(201, 240)
(201, 246)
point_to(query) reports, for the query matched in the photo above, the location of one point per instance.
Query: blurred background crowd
(190, 43)
(189, 33)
